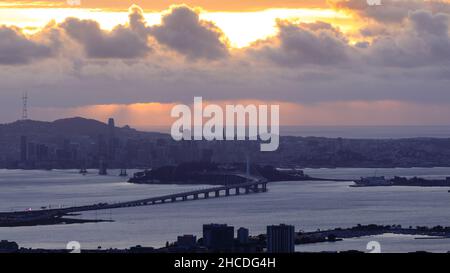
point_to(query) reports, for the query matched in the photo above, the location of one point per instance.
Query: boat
(123, 172)
(372, 181)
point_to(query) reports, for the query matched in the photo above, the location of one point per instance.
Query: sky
(330, 62)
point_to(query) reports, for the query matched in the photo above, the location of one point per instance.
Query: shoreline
(257, 243)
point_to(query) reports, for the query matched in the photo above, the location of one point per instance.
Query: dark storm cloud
(295, 45)
(16, 48)
(125, 42)
(184, 32)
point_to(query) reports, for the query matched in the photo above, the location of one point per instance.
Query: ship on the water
(401, 181)
(372, 181)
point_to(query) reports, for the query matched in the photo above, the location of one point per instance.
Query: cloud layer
(16, 48)
(314, 43)
(183, 31)
(122, 42)
(400, 55)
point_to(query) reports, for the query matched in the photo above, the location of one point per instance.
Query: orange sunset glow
(255, 21)
(326, 62)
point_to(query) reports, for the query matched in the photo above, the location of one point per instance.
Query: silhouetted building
(281, 239)
(242, 235)
(101, 143)
(42, 152)
(111, 126)
(103, 168)
(23, 149)
(111, 139)
(8, 247)
(31, 151)
(218, 237)
(187, 241)
(207, 155)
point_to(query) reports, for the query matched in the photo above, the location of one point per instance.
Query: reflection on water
(307, 205)
(389, 243)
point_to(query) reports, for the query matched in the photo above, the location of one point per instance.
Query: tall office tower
(218, 237)
(242, 235)
(281, 239)
(111, 127)
(23, 149)
(111, 139)
(186, 241)
(31, 151)
(101, 146)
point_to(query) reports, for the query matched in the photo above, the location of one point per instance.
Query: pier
(35, 217)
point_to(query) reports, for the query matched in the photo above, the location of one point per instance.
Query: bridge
(29, 217)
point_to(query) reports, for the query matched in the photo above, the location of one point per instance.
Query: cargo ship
(372, 181)
(401, 181)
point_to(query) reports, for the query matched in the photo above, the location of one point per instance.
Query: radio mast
(25, 106)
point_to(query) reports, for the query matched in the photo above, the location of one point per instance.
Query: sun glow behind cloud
(156, 116)
(242, 28)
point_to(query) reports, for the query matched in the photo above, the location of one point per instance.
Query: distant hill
(72, 139)
(76, 126)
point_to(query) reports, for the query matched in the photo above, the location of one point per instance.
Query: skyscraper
(281, 239)
(23, 149)
(111, 127)
(242, 235)
(186, 241)
(218, 237)
(111, 139)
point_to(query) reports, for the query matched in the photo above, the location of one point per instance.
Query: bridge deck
(249, 188)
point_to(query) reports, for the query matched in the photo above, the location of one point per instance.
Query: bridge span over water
(37, 216)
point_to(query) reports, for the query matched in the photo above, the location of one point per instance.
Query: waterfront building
(8, 247)
(111, 139)
(281, 239)
(218, 237)
(187, 241)
(23, 149)
(242, 235)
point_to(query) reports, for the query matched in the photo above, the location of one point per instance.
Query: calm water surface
(307, 205)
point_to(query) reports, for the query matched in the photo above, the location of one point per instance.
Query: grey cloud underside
(422, 39)
(318, 43)
(424, 42)
(15, 48)
(183, 31)
(391, 11)
(121, 42)
(305, 63)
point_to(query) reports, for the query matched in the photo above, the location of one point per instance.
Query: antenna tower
(25, 106)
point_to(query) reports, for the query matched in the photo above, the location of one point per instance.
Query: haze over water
(307, 205)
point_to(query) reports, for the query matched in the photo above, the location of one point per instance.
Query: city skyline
(225, 134)
(324, 62)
